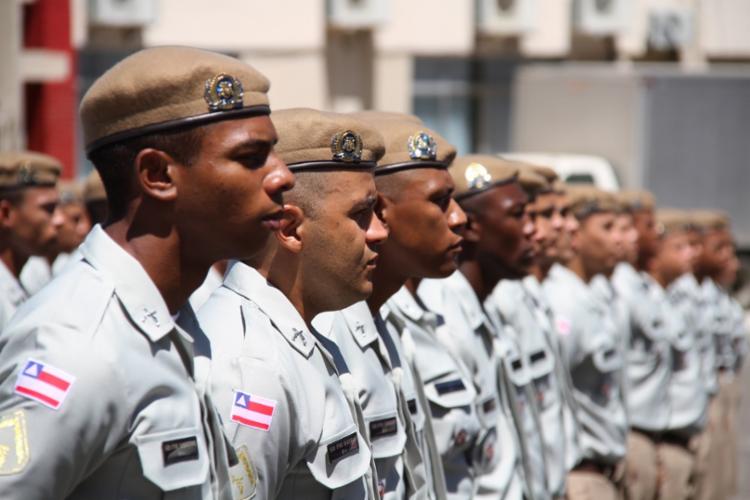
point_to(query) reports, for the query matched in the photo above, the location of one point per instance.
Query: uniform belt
(588, 465)
(665, 437)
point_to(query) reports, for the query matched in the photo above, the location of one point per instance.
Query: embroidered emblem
(44, 383)
(252, 411)
(477, 176)
(242, 475)
(299, 334)
(422, 146)
(223, 92)
(14, 445)
(347, 146)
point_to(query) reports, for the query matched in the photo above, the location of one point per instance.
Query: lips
(272, 222)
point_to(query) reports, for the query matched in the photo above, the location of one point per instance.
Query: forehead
(426, 180)
(235, 133)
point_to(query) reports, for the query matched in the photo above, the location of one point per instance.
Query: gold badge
(223, 92)
(422, 146)
(347, 146)
(14, 445)
(242, 475)
(477, 176)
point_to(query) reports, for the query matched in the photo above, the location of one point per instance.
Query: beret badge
(422, 146)
(346, 146)
(477, 176)
(223, 92)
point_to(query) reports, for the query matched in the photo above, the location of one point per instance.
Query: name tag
(449, 386)
(489, 406)
(179, 450)
(383, 427)
(412, 404)
(343, 447)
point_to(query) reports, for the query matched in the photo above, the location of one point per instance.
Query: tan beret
(164, 88)
(474, 174)
(93, 188)
(635, 200)
(20, 169)
(371, 114)
(409, 144)
(312, 139)
(587, 199)
(548, 173)
(531, 181)
(670, 220)
(559, 187)
(707, 220)
(70, 191)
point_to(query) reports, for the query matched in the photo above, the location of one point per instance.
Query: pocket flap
(341, 459)
(173, 459)
(387, 434)
(450, 391)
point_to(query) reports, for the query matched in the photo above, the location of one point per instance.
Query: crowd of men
(380, 318)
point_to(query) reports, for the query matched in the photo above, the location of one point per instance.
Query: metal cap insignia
(477, 176)
(347, 146)
(422, 146)
(223, 92)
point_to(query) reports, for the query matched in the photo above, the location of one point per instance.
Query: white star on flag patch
(252, 411)
(44, 383)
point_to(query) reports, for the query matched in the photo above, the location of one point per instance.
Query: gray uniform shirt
(279, 393)
(719, 323)
(12, 295)
(448, 389)
(590, 349)
(353, 331)
(96, 398)
(648, 359)
(471, 337)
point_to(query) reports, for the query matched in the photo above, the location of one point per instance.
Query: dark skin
(224, 205)
(29, 222)
(598, 246)
(672, 259)
(425, 223)
(548, 222)
(648, 237)
(503, 231)
(716, 256)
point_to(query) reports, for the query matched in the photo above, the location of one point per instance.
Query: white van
(574, 169)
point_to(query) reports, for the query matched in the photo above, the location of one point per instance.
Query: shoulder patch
(43, 383)
(14, 444)
(242, 475)
(252, 411)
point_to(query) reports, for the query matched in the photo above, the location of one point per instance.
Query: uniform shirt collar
(404, 301)
(361, 324)
(564, 275)
(133, 286)
(468, 300)
(250, 284)
(11, 288)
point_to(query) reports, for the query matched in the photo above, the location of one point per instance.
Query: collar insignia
(223, 92)
(422, 146)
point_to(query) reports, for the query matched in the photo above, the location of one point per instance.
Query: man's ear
(155, 170)
(291, 228)
(7, 214)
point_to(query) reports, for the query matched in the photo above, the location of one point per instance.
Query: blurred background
(637, 93)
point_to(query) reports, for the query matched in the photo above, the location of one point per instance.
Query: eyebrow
(253, 144)
(365, 203)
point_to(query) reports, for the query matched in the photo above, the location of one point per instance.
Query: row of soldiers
(381, 318)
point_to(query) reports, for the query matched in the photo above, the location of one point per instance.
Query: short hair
(114, 162)
(310, 188)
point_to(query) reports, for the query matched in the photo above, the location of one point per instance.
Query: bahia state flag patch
(252, 411)
(44, 383)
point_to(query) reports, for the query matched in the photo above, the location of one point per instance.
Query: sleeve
(61, 411)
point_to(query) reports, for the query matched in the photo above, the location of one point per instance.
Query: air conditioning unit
(670, 28)
(505, 17)
(122, 13)
(600, 17)
(357, 14)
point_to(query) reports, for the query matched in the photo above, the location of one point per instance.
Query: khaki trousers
(709, 456)
(585, 485)
(676, 464)
(642, 468)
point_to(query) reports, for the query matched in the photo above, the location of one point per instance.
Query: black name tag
(412, 404)
(488, 406)
(384, 427)
(179, 450)
(450, 386)
(343, 447)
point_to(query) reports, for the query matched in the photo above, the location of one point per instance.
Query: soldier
(648, 361)
(513, 302)
(590, 346)
(30, 220)
(285, 391)
(471, 336)
(71, 232)
(184, 145)
(424, 223)
(95, 198)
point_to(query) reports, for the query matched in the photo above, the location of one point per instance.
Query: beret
(586, 199)
(669, 220)
(634, 200)
(474, 174)
(311, 139)
(93, 188)
(70, 191)
(707, 220)
(408, 143)
(19, 169)
(531, 181)
(165, 88)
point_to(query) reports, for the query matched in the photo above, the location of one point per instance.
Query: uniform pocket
(387, 434)
(340, 459)
(174, 459)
